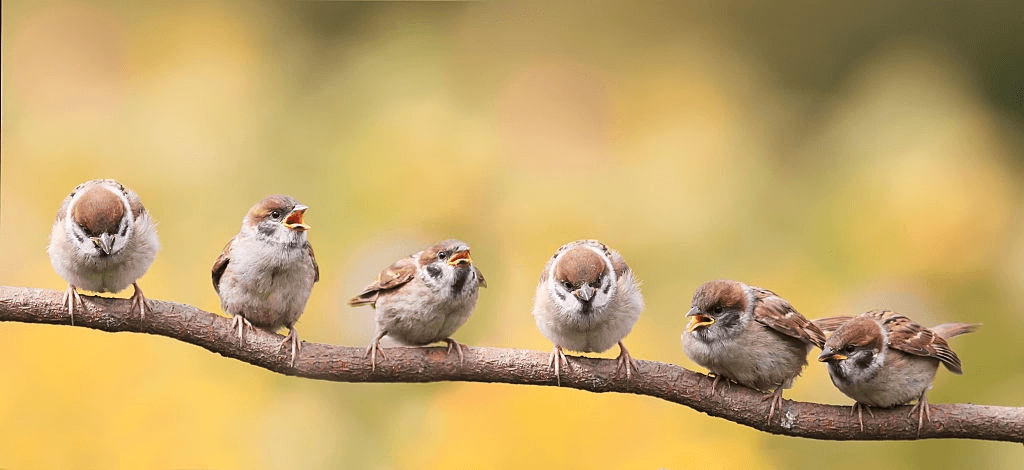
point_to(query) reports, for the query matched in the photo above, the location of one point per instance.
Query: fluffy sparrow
(265, 273)
(423, 298)
(883, 359)
(749, 335)
(587, 300)
(103, 240)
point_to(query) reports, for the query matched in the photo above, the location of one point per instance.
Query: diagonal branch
(668, 382)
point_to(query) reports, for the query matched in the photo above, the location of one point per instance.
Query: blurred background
(847, 157)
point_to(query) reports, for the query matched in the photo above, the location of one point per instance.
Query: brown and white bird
(103, 240)
(423, 298)
(749, 335)
(587, 300)
(265, 274)
(883, 359)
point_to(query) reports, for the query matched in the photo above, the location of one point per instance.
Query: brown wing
(134, 202)
(776, 313)
(391, 278)
(831, 324)
(911, 338)
(221, 264)
(618, 264)
(312, 257)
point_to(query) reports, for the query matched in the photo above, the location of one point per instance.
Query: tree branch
(668, 382)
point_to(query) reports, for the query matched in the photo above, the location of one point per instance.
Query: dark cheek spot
(560, 295)
(606, 288)
(266, 229)
(865, 359)
(434, 271)
(728, 320)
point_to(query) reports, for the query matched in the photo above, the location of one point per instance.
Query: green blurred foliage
(848, 157)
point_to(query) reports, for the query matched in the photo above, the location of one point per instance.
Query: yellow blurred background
(847, 157)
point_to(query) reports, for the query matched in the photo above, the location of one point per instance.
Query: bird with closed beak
(103, 240)
(587, 300)
(883, 359)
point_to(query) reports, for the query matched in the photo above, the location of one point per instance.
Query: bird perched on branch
(103, 240)
(883, 359)
(265, 273)
(587, 300)
(749, 335)
(423, 298)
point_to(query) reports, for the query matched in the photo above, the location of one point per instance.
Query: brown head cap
(98, 210)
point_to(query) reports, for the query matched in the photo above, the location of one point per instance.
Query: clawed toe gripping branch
(513, 366)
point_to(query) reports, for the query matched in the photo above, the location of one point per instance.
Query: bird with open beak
(265, 273)
(749, 335)
(423, 298)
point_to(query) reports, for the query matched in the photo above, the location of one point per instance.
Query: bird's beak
(584, 293)
(828, 355)
(104, 242)
(461, 258)
(294, 219)
(697, 320)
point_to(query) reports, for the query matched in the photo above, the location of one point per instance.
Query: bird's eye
(848, 348)
(442, 255)
(275, 214)
(717, 309)
(567, 285)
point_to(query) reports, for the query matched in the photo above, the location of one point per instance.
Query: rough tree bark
(668, 382)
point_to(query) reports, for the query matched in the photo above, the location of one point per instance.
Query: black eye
(717, 309)
(442, 255)
(274, 214)
(848, 348)
(567, 285)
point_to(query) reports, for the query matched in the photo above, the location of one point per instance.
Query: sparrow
(423, 298)
(749, 335)
(103, 240)
(265, 274)
(883, 359)
(587, 300)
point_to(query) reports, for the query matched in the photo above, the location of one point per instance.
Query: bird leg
(626, 361)
(556, 359)
(373, 349)
(139, 300)
(776, 400)
(728, 383)
(458, 349)
(70, 295)
(239, 323)
(858, 407)
(293, 338)
(923, 411)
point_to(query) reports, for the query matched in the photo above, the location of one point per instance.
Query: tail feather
(949, 330)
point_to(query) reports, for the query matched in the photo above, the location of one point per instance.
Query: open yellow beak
(294, 219)
(460, 258)
(699, 321)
